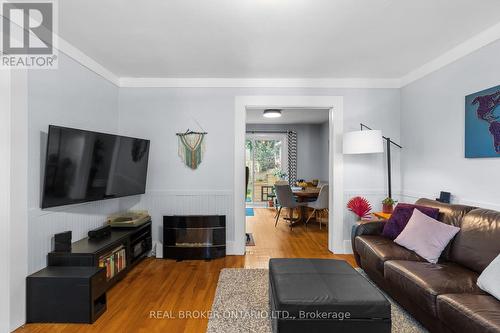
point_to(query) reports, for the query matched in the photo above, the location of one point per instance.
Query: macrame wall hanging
(191, 148)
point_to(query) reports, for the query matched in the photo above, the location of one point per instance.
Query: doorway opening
(286, 161)
(334, 105)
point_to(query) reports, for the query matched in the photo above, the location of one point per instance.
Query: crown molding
(86, 61)
(258, 83)
(480, 40)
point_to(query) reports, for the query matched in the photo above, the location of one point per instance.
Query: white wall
(13, 198)
(70, 96)
(19, 197)
(432, 127)
(324, 139)
(310, 160)
(158, 113)
(5, 196)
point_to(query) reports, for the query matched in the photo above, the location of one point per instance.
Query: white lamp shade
(363, 142)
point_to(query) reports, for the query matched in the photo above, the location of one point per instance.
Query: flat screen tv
(82, 166)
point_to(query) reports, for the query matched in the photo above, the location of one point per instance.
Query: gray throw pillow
(489, 280)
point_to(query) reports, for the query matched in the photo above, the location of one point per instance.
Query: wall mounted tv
(82, 166)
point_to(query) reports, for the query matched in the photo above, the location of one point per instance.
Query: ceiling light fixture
(272, 113)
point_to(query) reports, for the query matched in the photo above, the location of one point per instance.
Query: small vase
(387, 209)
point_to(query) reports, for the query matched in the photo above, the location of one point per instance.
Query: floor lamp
(369, 141)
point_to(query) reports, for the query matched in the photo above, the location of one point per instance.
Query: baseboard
(231, 250)
(347, 247)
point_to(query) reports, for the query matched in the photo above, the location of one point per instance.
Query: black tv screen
(82, 166)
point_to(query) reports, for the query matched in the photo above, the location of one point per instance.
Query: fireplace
(194, 237)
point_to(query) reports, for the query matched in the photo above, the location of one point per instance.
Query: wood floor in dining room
(170, 286)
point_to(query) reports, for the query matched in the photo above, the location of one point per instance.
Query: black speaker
(101, 232)
(444, 197)
(62, 242)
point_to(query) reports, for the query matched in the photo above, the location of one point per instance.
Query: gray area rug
(241, 304)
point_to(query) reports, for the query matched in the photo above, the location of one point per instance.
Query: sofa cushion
(400, 217)
(423, 282)
(449, 214)
(375, 250)
(477, 243)
(469, 313)
(426, 236)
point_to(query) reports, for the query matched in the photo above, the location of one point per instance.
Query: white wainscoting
(43, 224)
(182, 202)
(410, 196)
(81, 218)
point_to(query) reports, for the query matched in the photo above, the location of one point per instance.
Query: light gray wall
(70, 96)
(76, 97)
(310, 157)
(5, 199)
(324, 139)
(158, 113)
(432, 127)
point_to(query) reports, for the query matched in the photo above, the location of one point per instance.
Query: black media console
(66, 295)
(90, 268)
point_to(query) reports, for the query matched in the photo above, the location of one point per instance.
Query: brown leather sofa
(444, 297)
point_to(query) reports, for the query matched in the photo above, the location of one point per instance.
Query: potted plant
(359, 206)
(280, 174)
(388, 205)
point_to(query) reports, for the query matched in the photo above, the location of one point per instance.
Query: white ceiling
(289, 116)
(270, 38)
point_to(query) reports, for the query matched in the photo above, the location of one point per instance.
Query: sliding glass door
(266, 158)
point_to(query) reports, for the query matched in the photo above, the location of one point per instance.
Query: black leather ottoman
(324, 295)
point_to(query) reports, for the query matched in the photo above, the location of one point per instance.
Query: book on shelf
(114, 261)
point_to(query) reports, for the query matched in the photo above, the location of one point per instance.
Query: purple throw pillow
(400, 217)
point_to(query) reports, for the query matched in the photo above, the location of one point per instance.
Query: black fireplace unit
(194, 237)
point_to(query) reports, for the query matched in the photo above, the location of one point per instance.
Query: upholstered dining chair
(321, 183)
(321, 204)
(286, 199)
(277, 204)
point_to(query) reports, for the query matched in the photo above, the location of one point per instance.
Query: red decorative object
(359, 206)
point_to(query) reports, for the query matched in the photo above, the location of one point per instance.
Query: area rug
(249, 212)
(250, 240)
(241, 304)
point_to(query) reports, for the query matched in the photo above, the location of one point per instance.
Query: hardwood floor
(170, 286)
(281, 242)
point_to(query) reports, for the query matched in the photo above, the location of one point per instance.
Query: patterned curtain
(292, 157)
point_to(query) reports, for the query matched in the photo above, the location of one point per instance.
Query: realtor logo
(28, 35)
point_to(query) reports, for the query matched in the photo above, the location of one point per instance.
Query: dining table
(305, 195)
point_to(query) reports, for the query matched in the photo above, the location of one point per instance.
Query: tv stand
(72, 288)
(117, 253)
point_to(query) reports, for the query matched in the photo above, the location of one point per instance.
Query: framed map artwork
(482, 123)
